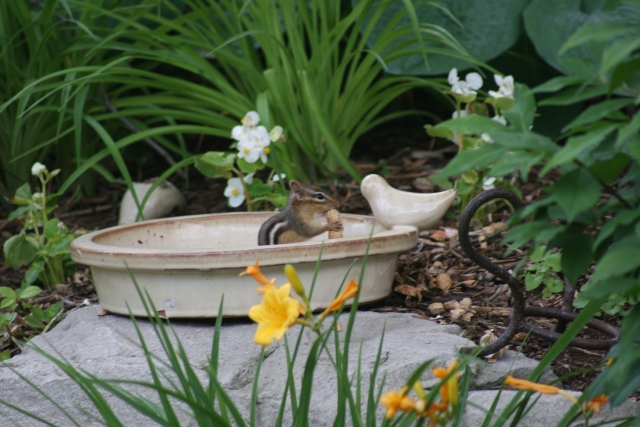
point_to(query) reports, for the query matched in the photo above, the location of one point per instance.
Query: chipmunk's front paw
(334, 226)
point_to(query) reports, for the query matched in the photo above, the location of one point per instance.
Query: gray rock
(108, 346)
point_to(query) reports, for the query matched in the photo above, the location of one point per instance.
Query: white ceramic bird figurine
(393, 207)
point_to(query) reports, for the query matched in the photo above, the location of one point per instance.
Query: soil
(436, 271)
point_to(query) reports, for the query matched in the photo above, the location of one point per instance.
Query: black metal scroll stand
(520, 309)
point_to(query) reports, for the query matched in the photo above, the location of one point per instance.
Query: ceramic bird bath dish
(187, 264)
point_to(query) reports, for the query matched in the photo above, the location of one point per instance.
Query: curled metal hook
(520, 309)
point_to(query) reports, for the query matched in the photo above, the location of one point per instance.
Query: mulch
(435, 272)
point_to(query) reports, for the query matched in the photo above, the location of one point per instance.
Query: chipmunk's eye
(319, 196)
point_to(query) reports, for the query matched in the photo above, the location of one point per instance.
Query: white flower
(239, 132)
(248, 150)
(453, 76)
(505, 87)
(37, 168)
(235, 192)
(275, 133)
(471, 83)
(463, 113)
(248, 178)
(500, 120)
(486, 137)
(251, 120)
(487, 183)
(36, 197)
(278, 177)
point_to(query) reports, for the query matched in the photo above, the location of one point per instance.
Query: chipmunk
(301, 218)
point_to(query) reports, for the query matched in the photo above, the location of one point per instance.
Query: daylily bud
(294, 279)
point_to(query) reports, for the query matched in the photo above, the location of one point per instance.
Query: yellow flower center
(235, 192)
(267, 150)
(246, 151)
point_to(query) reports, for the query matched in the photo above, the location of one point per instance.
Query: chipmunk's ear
(297, 189)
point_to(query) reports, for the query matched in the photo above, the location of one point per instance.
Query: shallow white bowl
(187, 264)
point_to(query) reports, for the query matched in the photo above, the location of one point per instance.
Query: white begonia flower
(463, 113)
(37, 168)
(487, 182)
(474, 81)
(452, 78)
(275, 133)
(248, 178)
(248, 150)
(239, 132)
(235, 192)
(486, 137)
(251, 120)
(505, 87)
(36, 197)
(500, 120)
(278, 177)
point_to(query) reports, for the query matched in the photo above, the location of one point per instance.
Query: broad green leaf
(247, 167)
(577, 146)
(33, 271)
(522, 114)
(29, 292)
(7, 292)
(529, 141)
(20, 250)
(603, 31)
(532, 281)
(623, 217)
(21, 210)
(575, 94)
(576, 257)
(53, 228)
(557, 83)
(627, 131)
(58, 246)
(511, 161)
(617, 262)
(23, 195)
(623, 73)
(485, 28)
(439, 132)
(607, 171)
(474, 124)
(480, 157)
(215, 164)
(597, 112)
(576, 192)
(617, 52)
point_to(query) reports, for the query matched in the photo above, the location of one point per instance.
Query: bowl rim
(86, 250)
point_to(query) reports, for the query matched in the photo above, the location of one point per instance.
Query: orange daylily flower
(595, 404)
(349, 292)
(277, 313)
(449, 390)
(397, 400)
(540, 388)
(254, 271)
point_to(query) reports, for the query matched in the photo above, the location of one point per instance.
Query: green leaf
(617, 52)
(438, 132)
(7, 292)
(577, 146)
(597, 112)
(470, 125)
(522, 114)
(23, 195)
(603, 31)
(215, 164)
(20, 250)
(515, 160)
(532, 281)
(58, 246)
(34, 271)
(576, 192)
(486, 28)
(607, 171)
(247, 167)
(623, 217)
(622, 73)
(54, 228)
(480, 157)
(627, 131)
(28, 292)
(575, 94)
(617, 262)
(557, 83)
(21, 210)
(528, 141)
(576, 257)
